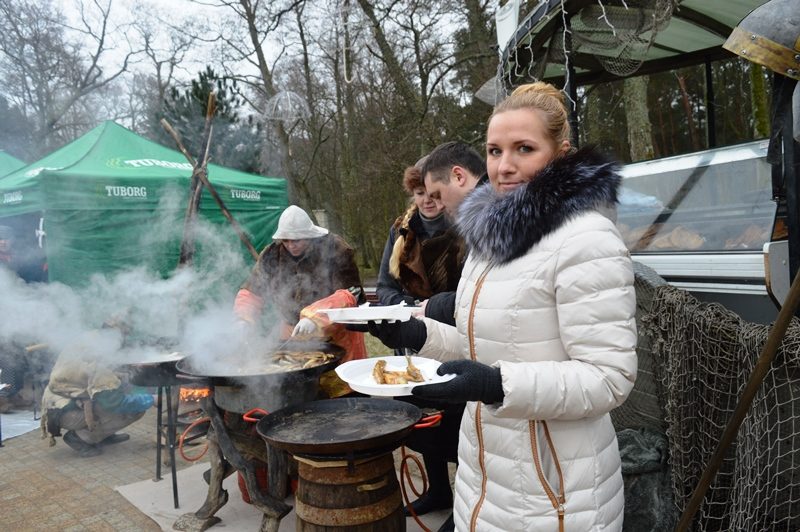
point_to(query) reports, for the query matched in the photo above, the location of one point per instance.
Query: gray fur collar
(501, 228)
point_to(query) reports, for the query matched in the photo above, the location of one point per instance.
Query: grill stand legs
(221, 449)
(171, 436)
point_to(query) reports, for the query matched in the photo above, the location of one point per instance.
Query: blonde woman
(544, 342)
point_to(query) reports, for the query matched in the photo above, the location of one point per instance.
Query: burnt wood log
(216, 497)
(277, 471)
(196, 187)
(273, 508)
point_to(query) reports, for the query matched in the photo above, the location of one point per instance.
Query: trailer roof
(693, 34)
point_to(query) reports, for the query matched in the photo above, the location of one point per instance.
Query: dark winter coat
(292, 283)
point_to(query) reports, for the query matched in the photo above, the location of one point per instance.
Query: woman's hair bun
(540, 87)
(549, 101)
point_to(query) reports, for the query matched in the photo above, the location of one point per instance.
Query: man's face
(5, 245)
(449, 193)
(296, 248)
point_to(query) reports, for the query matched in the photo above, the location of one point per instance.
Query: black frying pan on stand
(342, 426)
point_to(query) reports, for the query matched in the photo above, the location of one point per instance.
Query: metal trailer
(723, 223)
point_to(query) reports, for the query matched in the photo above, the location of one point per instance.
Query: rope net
(696, 359)
(617, 33)
(620, 33)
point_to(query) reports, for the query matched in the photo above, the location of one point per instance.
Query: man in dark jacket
(450, 172)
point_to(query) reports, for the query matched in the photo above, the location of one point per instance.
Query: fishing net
(695, 360)
(617, 33)
(644, 407)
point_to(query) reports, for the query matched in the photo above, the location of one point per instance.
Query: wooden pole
(214, 194)
(762, 367)
(196, 187)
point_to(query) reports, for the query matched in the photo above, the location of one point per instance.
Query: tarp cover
(112, 199)
(9, 163)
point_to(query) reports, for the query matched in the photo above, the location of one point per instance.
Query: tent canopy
(112, 199)
(9, 163)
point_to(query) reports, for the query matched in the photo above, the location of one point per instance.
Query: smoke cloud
(188, 311)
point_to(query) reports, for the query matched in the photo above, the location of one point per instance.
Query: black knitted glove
(441, 307)
(474, 382)
(411, 334)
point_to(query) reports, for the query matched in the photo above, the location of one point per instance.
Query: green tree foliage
(236, 139)
(476, 59)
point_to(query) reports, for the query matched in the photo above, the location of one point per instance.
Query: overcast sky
(160, 14)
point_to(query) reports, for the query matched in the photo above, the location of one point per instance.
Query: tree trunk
(399, 76)
(322, 188)
(758, 94)
(297, 188)
(640, 130)
(593, 125)
(687, 108)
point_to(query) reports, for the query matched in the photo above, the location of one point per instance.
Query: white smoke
(189, 311)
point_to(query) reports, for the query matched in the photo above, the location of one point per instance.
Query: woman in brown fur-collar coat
(423, 254)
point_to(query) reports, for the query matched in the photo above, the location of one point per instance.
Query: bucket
(261, 479)
(333, 497)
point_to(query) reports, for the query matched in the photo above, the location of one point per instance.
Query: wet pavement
(52, 488)
(46, 488)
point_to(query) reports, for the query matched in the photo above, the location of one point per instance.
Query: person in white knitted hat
(305, 268)
(296, 224)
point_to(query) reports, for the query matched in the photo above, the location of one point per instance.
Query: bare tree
(418, 57)
(242, 35)
(51, 70)
(165, 53)
(379, 81)
(166, 48)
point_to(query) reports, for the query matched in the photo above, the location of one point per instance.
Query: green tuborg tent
(112, 200)
(9, 163)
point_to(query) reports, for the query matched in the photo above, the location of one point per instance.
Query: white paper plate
(366, 313)
(358, 375)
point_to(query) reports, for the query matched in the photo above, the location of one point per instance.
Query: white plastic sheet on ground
(17, 422)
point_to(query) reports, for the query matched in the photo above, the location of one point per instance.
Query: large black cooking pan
(153, 370)
(340, 426)
(256, 375)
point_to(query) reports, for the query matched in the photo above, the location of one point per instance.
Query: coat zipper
(478, 427)
(557, 501)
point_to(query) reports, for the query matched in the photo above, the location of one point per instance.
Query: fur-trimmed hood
(503, 227)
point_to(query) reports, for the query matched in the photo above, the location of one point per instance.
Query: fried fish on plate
(384, 376)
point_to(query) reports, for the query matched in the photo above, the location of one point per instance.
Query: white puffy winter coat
(558, 319)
